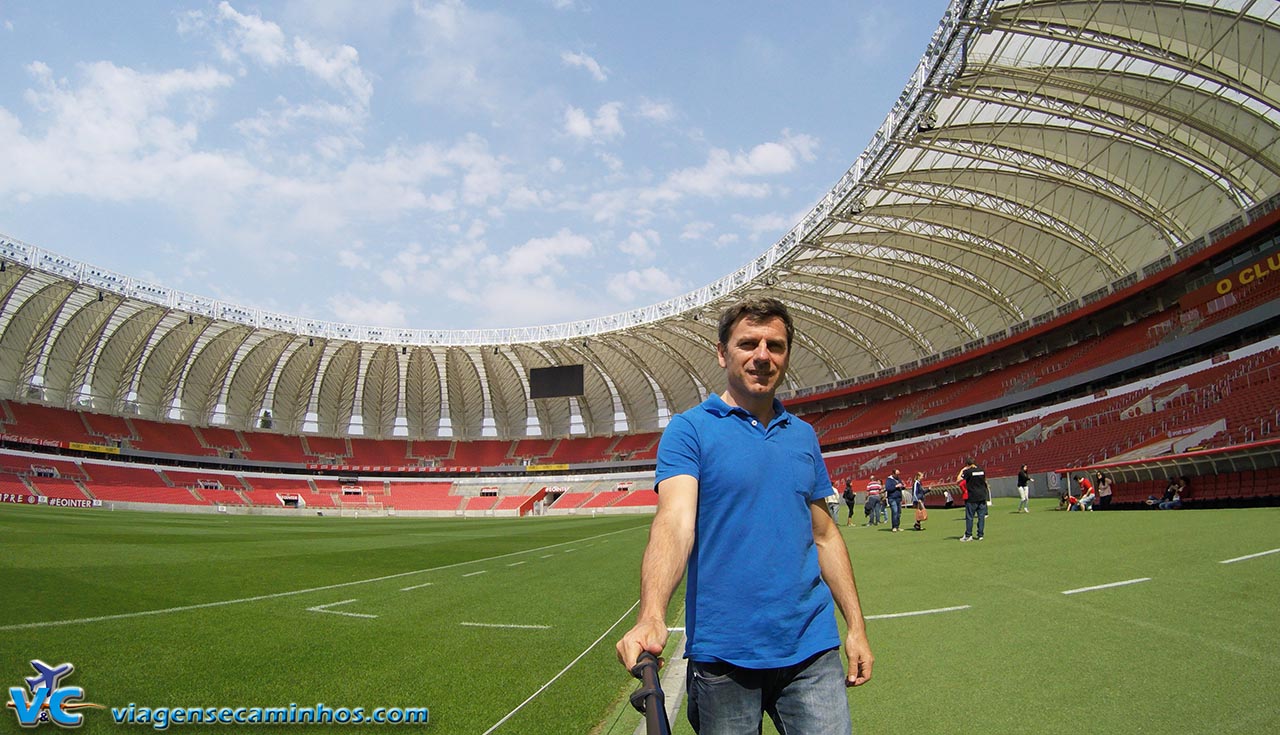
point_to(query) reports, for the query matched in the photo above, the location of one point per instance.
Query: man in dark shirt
(976, 504)
(893, 495)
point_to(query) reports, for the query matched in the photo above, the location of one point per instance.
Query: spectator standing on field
(875, 493)
(917, 496)
(893, 487)
(975, 505)
(850, 500)
(742, 493)
(1104, 484)
(833, 504)
(1024, 489)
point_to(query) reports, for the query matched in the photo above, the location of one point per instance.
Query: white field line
(506, 625)
(1107, 586)
(515, 563)
(553, 679)
(546, 556)
(324, 609)
(913, 613)
(290, 593)
(472, 574)
(416, 586)
(1250, 556)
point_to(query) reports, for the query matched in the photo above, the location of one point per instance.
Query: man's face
(755, 357)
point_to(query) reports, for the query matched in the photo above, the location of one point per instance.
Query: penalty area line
(1250, 556)
(913, 613)
(506, 625)
(563, 671)
(1107, 586)
(325, 609)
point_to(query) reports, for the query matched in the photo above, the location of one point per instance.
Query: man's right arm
(665, 556)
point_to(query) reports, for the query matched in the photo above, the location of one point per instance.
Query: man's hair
(969, 461)
(757, 309)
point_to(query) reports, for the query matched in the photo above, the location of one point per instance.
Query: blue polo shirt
(754, 594)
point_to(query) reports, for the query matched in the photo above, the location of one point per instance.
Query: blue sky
(436, 164)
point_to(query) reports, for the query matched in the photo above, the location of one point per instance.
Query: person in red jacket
(1087, 495)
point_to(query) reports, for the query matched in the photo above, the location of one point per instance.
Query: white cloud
(641, 245)
(522, 286)
(522, 197)
(696, 230)
(656, 111)
(119, 135)
(265, 42)
(643, 285)
(726, 173)
(353, 257)
(771, 224)
(606, 125)
(555, 165)
(355, 310)
(484, 174)
(254, 37)
(576, 123)
(612, 162)
(339, 68)
(540, 255)
(583, 61)
(293, 119)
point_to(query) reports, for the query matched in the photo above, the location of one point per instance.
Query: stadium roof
(1043, 154)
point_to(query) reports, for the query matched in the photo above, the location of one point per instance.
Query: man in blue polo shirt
(741, 486)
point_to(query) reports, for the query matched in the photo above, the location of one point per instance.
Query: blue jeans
(875, 512)
(972, 510)
(895, 511)
(807, 698)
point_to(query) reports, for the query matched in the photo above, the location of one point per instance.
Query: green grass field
(212, 611)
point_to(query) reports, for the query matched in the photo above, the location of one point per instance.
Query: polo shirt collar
(716, 406)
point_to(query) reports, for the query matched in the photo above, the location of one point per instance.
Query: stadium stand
(216, 438)
(481, 453)
(44, 422)
(638, 499)
(169, 438)
(330, 449)
(1120, 383)
(633, 446)
(108, 429)
(583, 451)
(431, 450)
(437, 496)
(58, 488)
(269, 447)
(481, 503)
(571, 500)
(380, 453)
(533, 450)
(604, 499)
